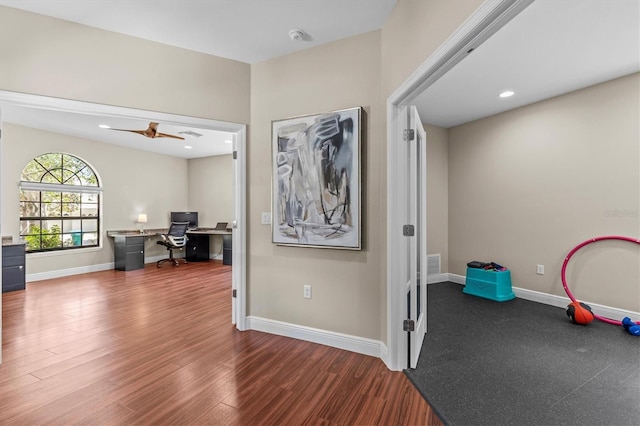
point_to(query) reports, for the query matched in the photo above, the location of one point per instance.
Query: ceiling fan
(151, 132)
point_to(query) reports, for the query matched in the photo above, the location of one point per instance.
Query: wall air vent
(433, 264)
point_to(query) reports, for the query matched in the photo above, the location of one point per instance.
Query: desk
(198, 245)
(129, 248)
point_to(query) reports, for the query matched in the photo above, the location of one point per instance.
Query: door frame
(485, 21)
(239, 172)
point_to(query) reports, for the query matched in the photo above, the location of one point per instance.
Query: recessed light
(188, 147)
(104, 126)
(506, 94)
(227, 141)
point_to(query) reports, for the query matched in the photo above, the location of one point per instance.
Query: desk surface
(209, 231)
(155, 232)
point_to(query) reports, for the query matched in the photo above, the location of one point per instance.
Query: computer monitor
(191, 217)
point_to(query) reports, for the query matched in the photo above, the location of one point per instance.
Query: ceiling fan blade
(166, 135)
(151, 132)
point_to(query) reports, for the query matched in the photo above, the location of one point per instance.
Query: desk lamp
(142, 219)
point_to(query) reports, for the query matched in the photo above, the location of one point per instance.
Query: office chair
(175, 238)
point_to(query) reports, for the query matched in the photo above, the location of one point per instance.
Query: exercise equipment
(580, 313)
(630, 323)
(631, 326)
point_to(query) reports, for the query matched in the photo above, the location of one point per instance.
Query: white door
(415, 233)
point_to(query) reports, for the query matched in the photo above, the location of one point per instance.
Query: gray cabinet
(197, 247)
(129, 252)
(13, 267)
(227, 249)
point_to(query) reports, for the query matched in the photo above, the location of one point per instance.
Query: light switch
(266, 218)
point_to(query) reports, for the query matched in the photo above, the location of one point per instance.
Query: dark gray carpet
(524, 363)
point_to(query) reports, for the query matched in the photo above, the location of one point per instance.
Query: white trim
(559, 301)
(484, 22)
(437, 278)
(240, 130)
(458, 279)
(81, 107)
(239, 239)
(347, 342)
(563, 301)
(58, 273)
(59, 187)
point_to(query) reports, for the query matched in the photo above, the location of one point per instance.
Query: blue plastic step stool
(494, 285)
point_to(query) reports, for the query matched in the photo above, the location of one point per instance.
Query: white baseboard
(58, 273)
(553, 300)
(437, 278)
(347, 342)
(66, 272)
(562, 302)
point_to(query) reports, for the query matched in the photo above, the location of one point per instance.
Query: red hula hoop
(578, 247)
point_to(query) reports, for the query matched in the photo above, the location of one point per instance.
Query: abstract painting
(316, 180)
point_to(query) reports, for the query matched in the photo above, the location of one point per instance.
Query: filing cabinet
(13, 267)
(129, 252)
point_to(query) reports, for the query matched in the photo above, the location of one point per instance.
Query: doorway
(238, 179)
(485, 22)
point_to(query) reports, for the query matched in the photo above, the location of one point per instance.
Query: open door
(415, 232)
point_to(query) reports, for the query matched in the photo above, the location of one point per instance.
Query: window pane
(89, 210)
(29, 195)
(51, 209)
(51, 226)
(52, 176)
(88, 177)
(72, 240)
(70, 209)
(89, 197)
(29, 227)
(51, 236)
(89, 225)
(71, 178)
(70, 197)
(51, 241)
(71, 225)
(50, 160)
(33, 172)
(29, 209)
(73, 164)
(33, 242)
(50, 196)
(90, 239)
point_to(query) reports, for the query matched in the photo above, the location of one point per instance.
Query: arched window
(59, 204)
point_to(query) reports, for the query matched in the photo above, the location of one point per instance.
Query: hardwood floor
(157, 346)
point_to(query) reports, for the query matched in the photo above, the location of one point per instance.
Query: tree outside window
(59, 204)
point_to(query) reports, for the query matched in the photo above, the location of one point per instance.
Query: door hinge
(409, 325)
(409, 135)
(235, 155)
(408, 230)
(234, 293)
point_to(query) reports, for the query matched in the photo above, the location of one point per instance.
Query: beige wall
(51, 57)
(413, 32)
(528, 185)
(346, 284)
(132, 182)
(211, 193)
(438, 193)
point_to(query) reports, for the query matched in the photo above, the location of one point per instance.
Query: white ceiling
(552, 47)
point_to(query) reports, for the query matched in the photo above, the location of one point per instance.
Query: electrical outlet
(307, 292)
(540, 269)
